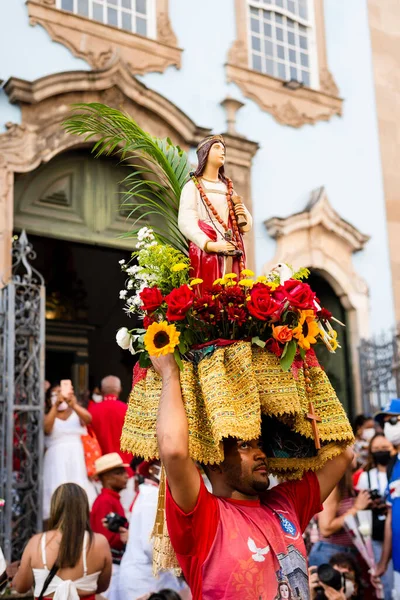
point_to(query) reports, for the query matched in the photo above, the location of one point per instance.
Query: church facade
(304, 92)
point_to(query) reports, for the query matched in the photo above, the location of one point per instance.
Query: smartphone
(66, 387)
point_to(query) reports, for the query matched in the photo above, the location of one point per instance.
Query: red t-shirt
(107, 421)
(248, 550)
(106, 502)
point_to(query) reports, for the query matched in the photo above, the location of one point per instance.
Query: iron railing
(22, 331)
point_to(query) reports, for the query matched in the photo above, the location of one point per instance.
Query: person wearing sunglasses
(389, 419)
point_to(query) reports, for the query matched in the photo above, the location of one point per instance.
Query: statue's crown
(211, 138)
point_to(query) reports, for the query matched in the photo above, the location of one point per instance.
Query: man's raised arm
(332, 472)
(173, 436)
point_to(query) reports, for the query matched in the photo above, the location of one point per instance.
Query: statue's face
(216, 156)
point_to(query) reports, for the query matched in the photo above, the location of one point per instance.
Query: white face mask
(368, 433)
(60, 407)
(97, 398)
(392, 433)
(349, 589)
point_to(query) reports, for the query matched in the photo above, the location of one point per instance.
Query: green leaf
(302, 353)
(284, 350)
(183, 347)
(288, 357)
(178, 359)
(256, 340)
(144, 360)
(158, 168)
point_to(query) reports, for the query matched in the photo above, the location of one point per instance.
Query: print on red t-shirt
(230, 549)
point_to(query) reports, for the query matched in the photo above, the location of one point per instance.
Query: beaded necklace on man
(236, 234)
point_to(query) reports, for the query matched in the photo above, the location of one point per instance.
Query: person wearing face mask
(64, 461)
(364, 430)
(374, 478)
(136, 572)
(390, 418)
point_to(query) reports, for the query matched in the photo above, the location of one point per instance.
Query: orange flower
(282, 333)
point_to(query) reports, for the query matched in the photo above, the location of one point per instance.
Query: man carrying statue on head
(227, 378)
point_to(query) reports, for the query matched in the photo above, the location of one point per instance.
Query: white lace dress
(64, 460)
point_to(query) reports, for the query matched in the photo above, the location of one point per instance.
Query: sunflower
(161, 338)
(307, 329)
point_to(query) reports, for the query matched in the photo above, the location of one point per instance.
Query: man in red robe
(108, 418)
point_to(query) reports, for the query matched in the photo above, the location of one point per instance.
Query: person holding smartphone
(64, 461)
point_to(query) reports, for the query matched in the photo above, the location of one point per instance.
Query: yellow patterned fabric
(227, 393)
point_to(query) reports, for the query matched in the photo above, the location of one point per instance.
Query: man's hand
(363, 500)
(313, 581)
(165, 365)
(332, 594)
(124, 534)
(12, 568)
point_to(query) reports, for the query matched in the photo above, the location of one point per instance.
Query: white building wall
(341, 154)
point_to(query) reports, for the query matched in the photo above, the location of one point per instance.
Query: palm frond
(154, 185)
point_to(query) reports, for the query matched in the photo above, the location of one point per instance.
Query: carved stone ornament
(320, 239)
(289, 107)
(101, 44)
(46, 103)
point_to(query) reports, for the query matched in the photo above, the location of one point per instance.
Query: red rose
(261, 305)
(152, 299)
(147, 321)
(299, 294)
(179, 301)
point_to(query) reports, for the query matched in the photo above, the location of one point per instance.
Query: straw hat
(108, 462)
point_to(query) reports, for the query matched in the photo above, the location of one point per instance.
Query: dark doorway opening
(83, 312)
(338, 365)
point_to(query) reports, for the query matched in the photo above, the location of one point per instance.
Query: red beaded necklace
(236, 233)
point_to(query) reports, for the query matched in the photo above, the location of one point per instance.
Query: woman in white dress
(64, 460)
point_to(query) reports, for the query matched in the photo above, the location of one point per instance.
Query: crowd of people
(100, 505)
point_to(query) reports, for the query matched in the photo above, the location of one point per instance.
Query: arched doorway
(318, 237)
(338, 365)
(71, 207)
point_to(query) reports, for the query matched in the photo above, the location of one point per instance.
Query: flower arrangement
(179, 315)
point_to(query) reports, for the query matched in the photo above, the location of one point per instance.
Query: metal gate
(22, 329)
(380, 371)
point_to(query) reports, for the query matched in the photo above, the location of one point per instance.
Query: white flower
(142, 233)
(133, 270)
(122, 294)
(130, 284)
(121, 262)
(139, 245)
(123, 338)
